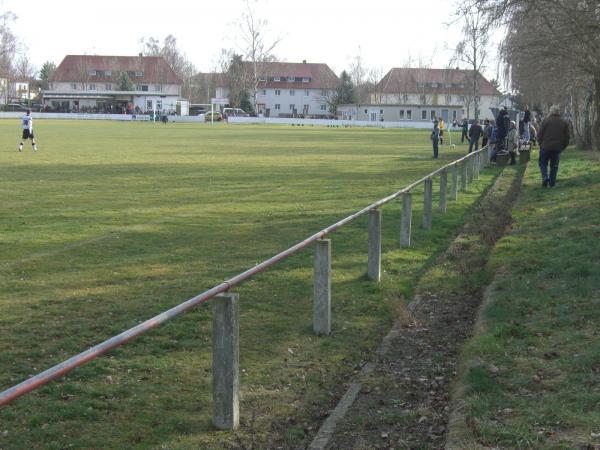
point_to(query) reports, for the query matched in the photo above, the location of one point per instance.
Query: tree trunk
(595, 115)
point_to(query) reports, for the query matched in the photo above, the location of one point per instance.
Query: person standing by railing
(435, 138)
(475, 132)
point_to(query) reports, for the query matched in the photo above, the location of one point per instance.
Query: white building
(424, 94)
(289, 89)
(113, 84)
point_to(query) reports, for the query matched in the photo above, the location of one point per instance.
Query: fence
(225, 307)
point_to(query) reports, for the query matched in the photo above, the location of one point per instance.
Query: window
(277, 106)
(409, 114)
(292, 92)
(305, 109)
(401, 114)
(139, 73)
(306, 93)
(74, 86)
(92, 72)
(324, 108)
(423, 99)
(158, 87)
(159, 105)
(306, 79)
(276, 78)
(424, 115)
(420, 84)
(448, 99)
(291, 79)
(292, 107)
(263, 92)
(434, 85)
(108, 73)
(108, 87)
(262, 78)
(323, 93)
(381, 111)
(432, 115)
(277, 92)
(92, 87)
(405, 98)
(448, 85)
(477, 98)
(149, 105)
(462, 98)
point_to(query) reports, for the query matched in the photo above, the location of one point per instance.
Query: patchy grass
(531, 376)
(112, 223)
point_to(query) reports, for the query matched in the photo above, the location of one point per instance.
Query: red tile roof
(76, 68)
(449, 81)
(319, 75)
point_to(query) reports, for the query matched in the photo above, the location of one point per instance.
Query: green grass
(532, 374)
(112, 223)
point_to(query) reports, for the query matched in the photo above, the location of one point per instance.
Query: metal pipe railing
(78, 360)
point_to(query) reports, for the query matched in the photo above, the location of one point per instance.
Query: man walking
(553, 138)
(27, 124)
(465, 128)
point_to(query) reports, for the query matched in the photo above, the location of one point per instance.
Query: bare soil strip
(404, 398)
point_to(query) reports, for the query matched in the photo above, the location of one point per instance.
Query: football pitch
(110, 223)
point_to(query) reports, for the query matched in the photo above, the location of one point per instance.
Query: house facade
(113, 84)
(425, 94)
(289, 89)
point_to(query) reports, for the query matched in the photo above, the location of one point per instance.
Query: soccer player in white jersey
(27, 123)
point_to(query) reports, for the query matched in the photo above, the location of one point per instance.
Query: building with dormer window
(289, 89)
(113, 84)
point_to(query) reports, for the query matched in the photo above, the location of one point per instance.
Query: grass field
(111, 223)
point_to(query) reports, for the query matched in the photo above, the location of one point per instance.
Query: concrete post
(225, 361)
(427, 203)
(482, 162)
(322, 288)
(476, 165)
(374, 264)
(406, 220)
(454, 186)
(443, 189)
(463, 175)
(470, 167)
(489, 156)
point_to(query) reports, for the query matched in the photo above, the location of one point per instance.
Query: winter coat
(475, 131)
(554, 134)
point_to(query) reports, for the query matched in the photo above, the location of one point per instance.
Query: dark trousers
(463, 136)
(473, 141)
(552, 157)
(484, 141)
(435, 148)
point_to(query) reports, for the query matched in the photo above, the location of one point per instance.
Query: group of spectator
(503, 136)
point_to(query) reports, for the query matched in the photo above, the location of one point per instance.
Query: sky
(385, 33)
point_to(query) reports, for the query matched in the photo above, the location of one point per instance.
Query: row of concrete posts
(225, 351)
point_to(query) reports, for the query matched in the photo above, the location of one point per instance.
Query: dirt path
(403, 396)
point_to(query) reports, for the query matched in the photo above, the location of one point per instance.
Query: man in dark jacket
(501, 130)
(553, 138)
(487, 132)
(465, 128)
(475, 132)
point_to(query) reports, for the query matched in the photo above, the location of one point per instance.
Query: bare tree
(255, 46)
(472, 50)
(566, 51)
(8, 50)
(25, 71)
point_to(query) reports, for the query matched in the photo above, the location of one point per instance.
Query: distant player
(27, 123)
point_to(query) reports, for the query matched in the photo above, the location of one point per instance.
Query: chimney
(303, 61)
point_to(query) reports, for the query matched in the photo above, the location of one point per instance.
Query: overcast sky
(385, 32)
